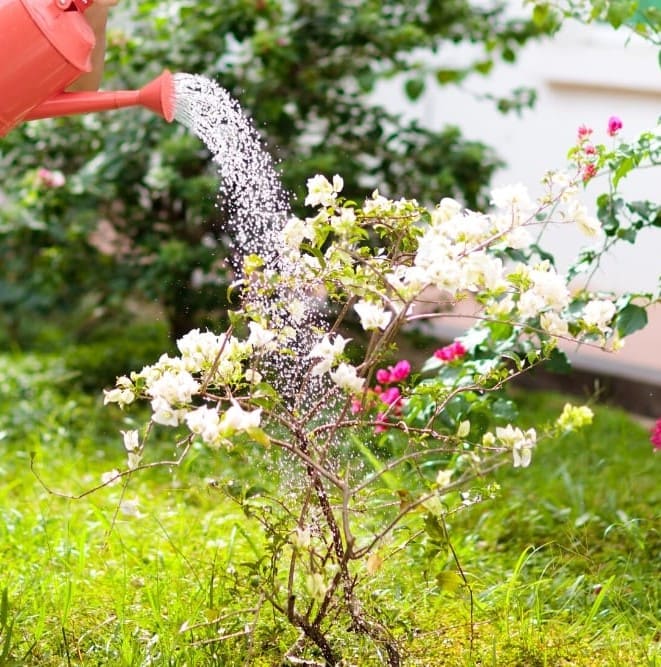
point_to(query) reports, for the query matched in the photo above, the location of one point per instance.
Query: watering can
(45, 45)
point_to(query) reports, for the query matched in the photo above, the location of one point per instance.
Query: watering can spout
(157, 96)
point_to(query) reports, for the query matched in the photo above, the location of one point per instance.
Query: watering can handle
(68, 5)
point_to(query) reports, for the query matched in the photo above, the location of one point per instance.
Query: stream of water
(258, 210)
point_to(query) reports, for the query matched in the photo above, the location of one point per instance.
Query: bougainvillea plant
(378, 452)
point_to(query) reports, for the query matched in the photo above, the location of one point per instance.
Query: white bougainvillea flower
(302, 537)
(588, 224)
(327, 352)
(205, 422)
(252, 376)
(346, 377)
(111, 478)
(372, 315)
(133, 448)
(548, 291)
(599, 313)
(297, 309)
(163, 413)
(260, 338)
(199, 349)
(236, 419)
(174, 387)
(316, 586)
(321, 192)
(345, 222)
(131, 507)
(123, 393)
(295, 232)
(521, 443)
(513, 198)
(120, 396)
(553, 324)
(376, 204)
(447, 209)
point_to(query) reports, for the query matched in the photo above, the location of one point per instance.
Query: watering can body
(45, 45)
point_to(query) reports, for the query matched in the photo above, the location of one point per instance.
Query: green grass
(563, 567)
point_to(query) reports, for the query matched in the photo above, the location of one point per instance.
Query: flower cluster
(590, 157)
(48, 178)
(521, 443)
(385, 397)
(452, 251)
(574, 417)
(655, 436)
(454, 350)
(178, 387)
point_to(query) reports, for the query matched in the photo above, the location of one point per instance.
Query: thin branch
(421, 501)
(120, 474)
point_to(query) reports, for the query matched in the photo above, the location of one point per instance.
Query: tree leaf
(449, 581)
(630, 319)
(414, 88)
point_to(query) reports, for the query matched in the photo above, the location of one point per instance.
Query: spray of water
(258, 210)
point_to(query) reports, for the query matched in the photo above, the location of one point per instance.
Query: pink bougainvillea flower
(589, 171)
(451, 352)
(381, 424)
(589, 149)
(356, 406)
(584, 132)
(400, 371)
(655, 437)
(383, 376)
(50, 179)
(614, 125)
(391, 395)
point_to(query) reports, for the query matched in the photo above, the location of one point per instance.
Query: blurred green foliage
(137, 220)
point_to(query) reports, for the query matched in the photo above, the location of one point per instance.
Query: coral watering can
(45, 45)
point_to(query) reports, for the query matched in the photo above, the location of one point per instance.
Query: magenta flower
(391, 395)
(655, 436)
(383, 376)
(614, 125)
(584, 132)
(400, 371)
(451, 352)
(381, 424)
(589, 171)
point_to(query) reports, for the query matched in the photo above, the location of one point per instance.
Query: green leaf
(484, 67)
(431, 364)
(449, 581)
(630, 319)
(444, 76)
(259, 436)
(434, 528)
(414, 88)
(558, 362)
(620, 11)
(540, 14)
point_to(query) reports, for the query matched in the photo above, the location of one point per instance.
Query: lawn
(562, 567)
